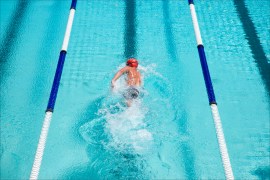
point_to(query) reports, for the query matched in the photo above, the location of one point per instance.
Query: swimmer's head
(132, 62)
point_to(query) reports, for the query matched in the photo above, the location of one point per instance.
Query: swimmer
(133, 80)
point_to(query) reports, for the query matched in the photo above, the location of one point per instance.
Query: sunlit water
(168, 132)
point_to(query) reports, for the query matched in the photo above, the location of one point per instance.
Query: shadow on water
(254, 43)
(263, 173)
(80, 172)
(89, 113)
(130, 29)
(187, 154)
(12, 33)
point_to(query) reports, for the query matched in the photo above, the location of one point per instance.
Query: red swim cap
(132, 62)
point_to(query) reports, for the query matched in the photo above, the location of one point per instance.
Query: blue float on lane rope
(206, 75)
(56, 81)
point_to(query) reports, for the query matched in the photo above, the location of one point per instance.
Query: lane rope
(49, 111)
(211, 96)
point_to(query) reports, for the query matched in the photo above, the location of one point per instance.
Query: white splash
(128, 130)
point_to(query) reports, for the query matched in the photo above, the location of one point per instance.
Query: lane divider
(211, 96)
(53, 95)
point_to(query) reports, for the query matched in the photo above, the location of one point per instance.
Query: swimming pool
(169, 134)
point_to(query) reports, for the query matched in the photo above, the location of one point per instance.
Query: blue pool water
(169, 132)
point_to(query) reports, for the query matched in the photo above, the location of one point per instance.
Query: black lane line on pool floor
(130, 29)
(12, 33)
(254, 43)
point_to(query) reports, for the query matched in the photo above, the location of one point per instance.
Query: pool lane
(178, 118)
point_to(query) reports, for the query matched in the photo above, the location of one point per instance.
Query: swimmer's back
(133, 77)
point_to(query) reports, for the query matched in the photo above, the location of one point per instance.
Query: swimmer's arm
(118, 74)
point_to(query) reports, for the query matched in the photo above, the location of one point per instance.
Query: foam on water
(125, 126)
(127, 129)
(122, 137)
